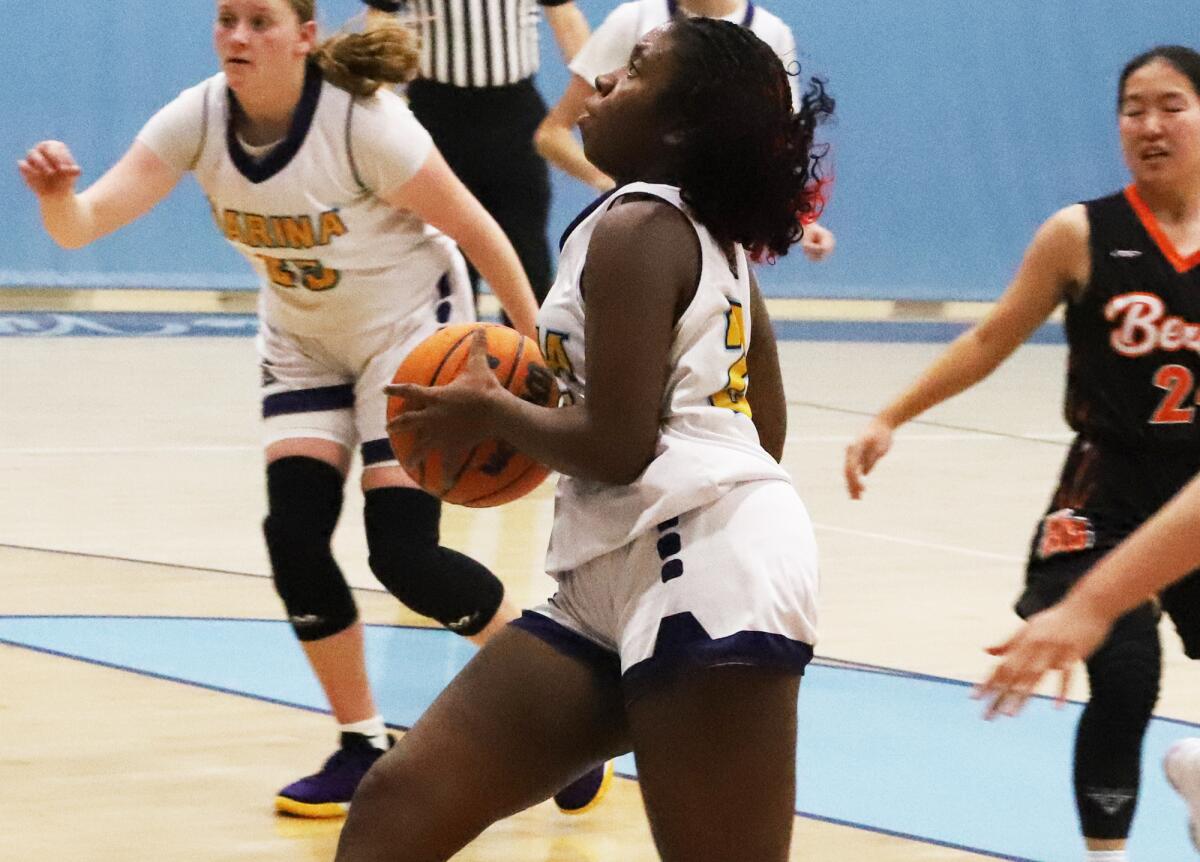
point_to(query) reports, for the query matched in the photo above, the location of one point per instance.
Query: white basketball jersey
(330, 255)
(707, 442)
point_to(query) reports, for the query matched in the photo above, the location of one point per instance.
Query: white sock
(373, 729)
(1107, 856)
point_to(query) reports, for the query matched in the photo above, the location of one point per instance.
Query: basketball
(494, 472)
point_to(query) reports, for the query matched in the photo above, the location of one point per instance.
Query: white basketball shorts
(331, 387)
(731, 583)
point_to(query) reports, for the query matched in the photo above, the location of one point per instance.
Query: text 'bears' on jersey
(1144, 326)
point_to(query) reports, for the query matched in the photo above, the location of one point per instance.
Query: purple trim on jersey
(442, 310)
(350, 146)
(569, 643)
(747, 19)
(683, 644)
(377, 451)
(308, 400)
(278, 158)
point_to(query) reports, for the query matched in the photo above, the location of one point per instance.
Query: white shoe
(1182, 765)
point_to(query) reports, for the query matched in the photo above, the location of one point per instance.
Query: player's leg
(518, 722)
(1124, 675)
(1182, 763)
(403, 522)
(309, 428)
(716, 755)
(1182, 767)
(406, 555)
(711, 686)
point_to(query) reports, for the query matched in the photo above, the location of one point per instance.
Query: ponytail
(386, 52)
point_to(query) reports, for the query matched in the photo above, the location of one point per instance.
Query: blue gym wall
(961, 125)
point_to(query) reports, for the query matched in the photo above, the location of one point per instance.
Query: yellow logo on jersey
(259, 231)
(555, 352)
(733, 396)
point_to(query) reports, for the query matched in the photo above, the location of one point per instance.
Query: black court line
(929, 423)
(181, 566)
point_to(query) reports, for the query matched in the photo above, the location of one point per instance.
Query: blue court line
(893, 752)
(117, 324)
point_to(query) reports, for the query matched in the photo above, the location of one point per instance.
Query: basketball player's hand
(1055, 640)
(818, 242)
(49, 169)
(863, 453)
(453, 417)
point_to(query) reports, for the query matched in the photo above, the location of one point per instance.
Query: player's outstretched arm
(1162, 551)
(1056, 260)
(437, 196)
(569, 27)
(126, 192)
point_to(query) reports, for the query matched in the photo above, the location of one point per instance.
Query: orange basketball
(494, 472)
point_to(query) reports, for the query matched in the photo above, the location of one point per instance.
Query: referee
(475, 95)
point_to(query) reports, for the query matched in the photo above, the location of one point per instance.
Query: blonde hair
(386, 52)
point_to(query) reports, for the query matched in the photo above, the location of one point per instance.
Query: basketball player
(685, 561)
(1128, 268)
(607, 49)
(1161, 552)
(348, 214)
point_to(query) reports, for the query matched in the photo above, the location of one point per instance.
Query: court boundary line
(829, 662)
(878, 830)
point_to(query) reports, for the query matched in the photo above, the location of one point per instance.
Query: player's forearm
(68, 219)
(558, 146)
(487, 248)
(570, 29)
(1162, 551)
(970, 358)
(571, 441)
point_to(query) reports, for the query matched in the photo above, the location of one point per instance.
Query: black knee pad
(304, 500)
(1124, 676)
(1125, 672)
(402, 536)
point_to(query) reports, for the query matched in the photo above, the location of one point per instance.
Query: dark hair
(1183, 59)
(748, 167)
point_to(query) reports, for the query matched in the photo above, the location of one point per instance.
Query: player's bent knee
(402, 536)
(304, 501)
(1125, 681)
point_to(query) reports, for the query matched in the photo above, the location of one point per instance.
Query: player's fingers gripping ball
(490, 472)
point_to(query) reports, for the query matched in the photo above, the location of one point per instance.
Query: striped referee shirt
(479, 43)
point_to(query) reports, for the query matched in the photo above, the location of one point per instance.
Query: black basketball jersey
(1134, 334)
(1133, 365)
